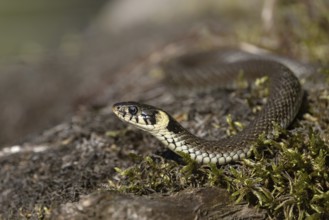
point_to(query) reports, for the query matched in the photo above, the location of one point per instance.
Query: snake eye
(132, 110)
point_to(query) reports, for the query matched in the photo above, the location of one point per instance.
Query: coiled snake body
(214, 69)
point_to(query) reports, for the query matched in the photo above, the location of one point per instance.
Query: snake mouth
(126, 111)
(118, 111)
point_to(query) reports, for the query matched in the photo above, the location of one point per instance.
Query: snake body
(210, 70)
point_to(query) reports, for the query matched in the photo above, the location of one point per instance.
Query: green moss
(294, 182)
(288, 180)
(154, 174)
(38, 212)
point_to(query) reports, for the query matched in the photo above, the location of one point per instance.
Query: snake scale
(214, 69)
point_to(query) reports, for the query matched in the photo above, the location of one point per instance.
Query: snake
(218, 69)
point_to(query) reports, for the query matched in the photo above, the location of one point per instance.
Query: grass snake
(214, 69)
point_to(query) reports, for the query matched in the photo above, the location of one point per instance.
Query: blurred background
(56, 56)
(33, 79)
(30, 28)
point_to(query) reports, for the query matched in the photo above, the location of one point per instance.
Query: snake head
(145, 117)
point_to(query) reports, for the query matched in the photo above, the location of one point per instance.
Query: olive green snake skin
(221, 69)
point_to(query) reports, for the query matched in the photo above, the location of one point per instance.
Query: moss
(288, 180)
(38, 212)
(294, 181)
(154, 174)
